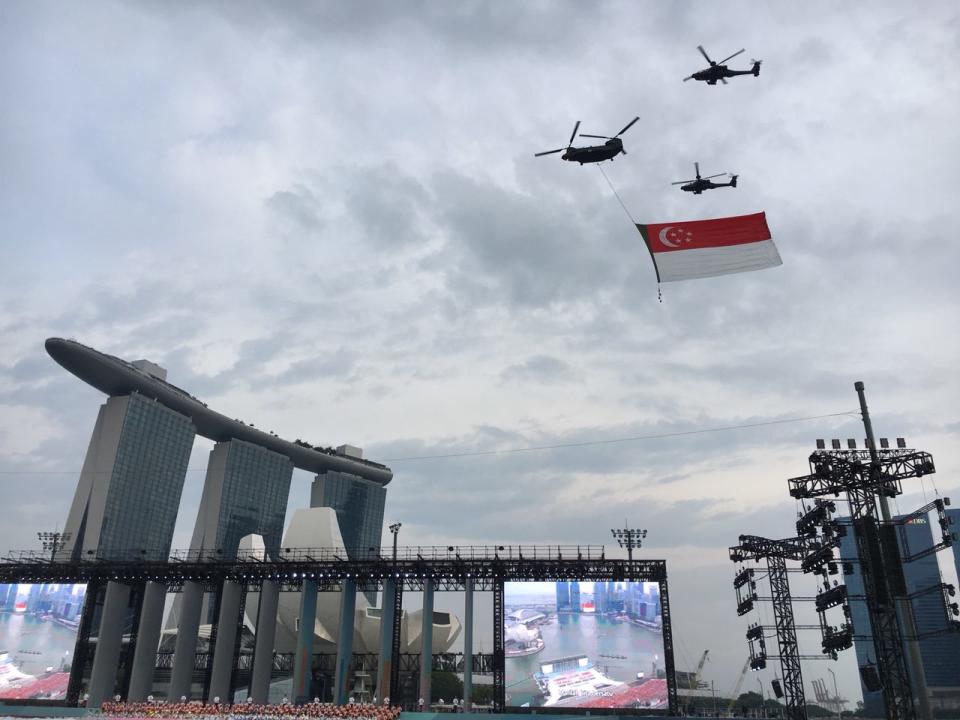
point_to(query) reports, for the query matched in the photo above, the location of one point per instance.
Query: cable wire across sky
(538, 448)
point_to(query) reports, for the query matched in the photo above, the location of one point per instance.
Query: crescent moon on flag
(663, 237)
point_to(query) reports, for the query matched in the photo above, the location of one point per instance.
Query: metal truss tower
(868, 478)
(776, 553)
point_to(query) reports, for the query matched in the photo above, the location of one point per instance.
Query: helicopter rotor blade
(724, 81)
(704, 53)
(602, 137)
(688, 78)
(709, 177)
(696, 166)
(573, 134)
(682, 182)
(732, 56)
(549, 152)
(629, 125)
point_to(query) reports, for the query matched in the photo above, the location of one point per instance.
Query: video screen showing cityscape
(584, 644)
(38, 633)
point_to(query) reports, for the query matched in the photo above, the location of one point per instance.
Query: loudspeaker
(777, 689)
(870, 678)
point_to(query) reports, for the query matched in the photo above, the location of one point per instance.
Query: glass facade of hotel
(256, 486)
(359, 505)
(146, 482)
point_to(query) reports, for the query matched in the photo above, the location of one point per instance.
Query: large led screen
(584, 645)
(38, 632)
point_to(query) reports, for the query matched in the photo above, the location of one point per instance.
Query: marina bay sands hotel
(126, 504)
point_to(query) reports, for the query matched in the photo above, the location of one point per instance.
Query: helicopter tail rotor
(733, 180)
(756, 67)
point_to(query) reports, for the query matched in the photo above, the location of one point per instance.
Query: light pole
(53, 542)
(395, 529)
(836, 693)
(629, 538)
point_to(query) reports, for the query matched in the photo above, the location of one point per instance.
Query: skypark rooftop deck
(114, 376)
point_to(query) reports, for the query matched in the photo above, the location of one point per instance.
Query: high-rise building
(129, 491)
(359, 504)
(575, 605)
(126, 502)
(600, 597)
(563, 596)
(938, 653)
(245, 493)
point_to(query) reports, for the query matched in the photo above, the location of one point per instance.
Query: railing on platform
(323, 554)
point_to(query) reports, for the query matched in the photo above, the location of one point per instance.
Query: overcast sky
(327, 219)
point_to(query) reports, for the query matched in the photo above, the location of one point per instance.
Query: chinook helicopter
(700, 184)
(592, 153)
(719, 71)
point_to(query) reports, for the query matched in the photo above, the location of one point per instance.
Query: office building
(126, 503)
(939, 653)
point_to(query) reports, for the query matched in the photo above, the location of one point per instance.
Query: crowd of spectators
(250, 710)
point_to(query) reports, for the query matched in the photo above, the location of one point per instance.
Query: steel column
(148, 639)
(426, 640)
(303, 659)
(185, 651)
(348, 606)
(263, 645)
(106, 659)
(499, 682)
(223, 652)
(468, 645)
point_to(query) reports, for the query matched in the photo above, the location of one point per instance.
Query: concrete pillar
(303, 659)
(106, 659)
(263, 647)
(348, 606)
(426, 648)
(222, 670)
(185, 651)
(148, 639)
(385, 668)
(468, 646)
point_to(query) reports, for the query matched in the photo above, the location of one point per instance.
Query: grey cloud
(299, 207)
(539, 369)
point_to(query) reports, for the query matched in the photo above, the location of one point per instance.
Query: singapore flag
(705, 248)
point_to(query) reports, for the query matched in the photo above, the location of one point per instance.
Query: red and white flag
(705, 248)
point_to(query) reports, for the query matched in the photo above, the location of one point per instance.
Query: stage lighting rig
(816, 516)
(629, 538)
(395, 530)
(836, 639)
(746, 605)
(815, 561)
(831, 598)
(53, 542)
(743, 577)
(776, 553)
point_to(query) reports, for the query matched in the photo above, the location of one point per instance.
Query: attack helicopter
(592, 153)
(719, 71)
(700, 184)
